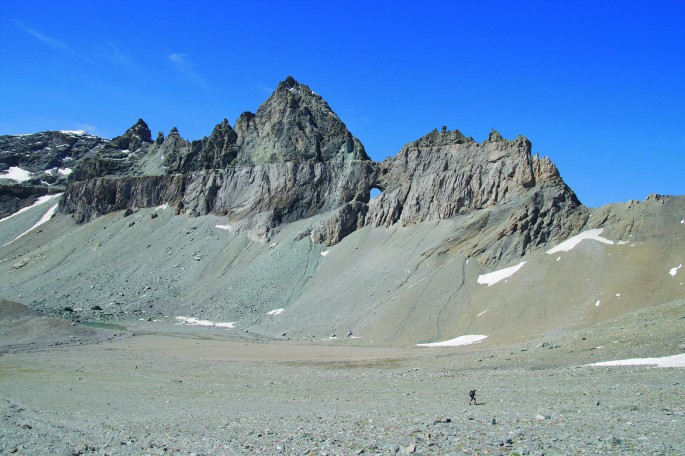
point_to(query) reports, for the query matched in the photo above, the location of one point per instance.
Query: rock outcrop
(295, 124)
(446, 175)
(295, 159)
(134, 137)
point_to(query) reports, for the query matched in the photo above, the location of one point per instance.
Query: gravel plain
(160, 388)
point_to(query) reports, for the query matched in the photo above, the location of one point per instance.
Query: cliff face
(519, 201)
(295, 159)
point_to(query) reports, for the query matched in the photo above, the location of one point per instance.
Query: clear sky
(598, 86)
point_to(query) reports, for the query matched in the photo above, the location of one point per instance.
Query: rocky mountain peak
(494, 136)
(134, 137)
(295, 124)
(442, 138)
(289, 82)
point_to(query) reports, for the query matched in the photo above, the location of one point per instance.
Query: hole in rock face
(374, 193)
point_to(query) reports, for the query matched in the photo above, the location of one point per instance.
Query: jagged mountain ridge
(398, 267)
(295, 159)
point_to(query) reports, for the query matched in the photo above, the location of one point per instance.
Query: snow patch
(666, 361)
(323, 254)
(65, 171)
(492, 278)
(163, 207)
(197, 322)
(16, 173)
(461, 340)
(74, 132)
(481, 313)
(575, 240)
(225, 227)
(597, 304)
(47, 216)
(275, 312)
(674, 271)
(39, 201)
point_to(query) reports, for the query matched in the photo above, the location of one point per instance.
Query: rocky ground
(160, 388)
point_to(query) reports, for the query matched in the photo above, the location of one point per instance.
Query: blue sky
(598, 86)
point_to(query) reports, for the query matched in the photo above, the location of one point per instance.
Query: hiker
(472, 395)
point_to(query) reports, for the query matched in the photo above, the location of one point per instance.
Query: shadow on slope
(25, 329)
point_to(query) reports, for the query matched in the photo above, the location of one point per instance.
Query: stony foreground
(197, 391)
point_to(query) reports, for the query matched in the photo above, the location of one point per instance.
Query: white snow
(197, 322)
(74, 132)
(47, 216)
(225, 227)
(65, 171)
(16, 173)
(674, 271)
(558, 258)
(682, 222)
(666, 361)
(492, 278)
(481, 313)
(163, 207)
(575, 240)
(229, 325)
(275, 312)
(597, 303)
(323, 254)
(38, 202)
(461, 340)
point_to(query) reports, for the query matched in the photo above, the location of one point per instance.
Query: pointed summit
(134, 137)
(494, 136)
(289, 82)
(295, 123)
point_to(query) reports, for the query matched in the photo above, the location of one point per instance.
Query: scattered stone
(410, 449)
(20, 264)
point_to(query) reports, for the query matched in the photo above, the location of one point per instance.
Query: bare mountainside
(269, 226)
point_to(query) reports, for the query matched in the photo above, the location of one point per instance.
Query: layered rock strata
(295, 159)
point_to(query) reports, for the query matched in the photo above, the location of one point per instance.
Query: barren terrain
(164, 388)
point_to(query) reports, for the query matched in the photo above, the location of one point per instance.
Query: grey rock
(295, 159)
(134, 137)
(295, 123)
(20, 264)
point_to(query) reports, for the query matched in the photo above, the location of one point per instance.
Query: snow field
(456, 342)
